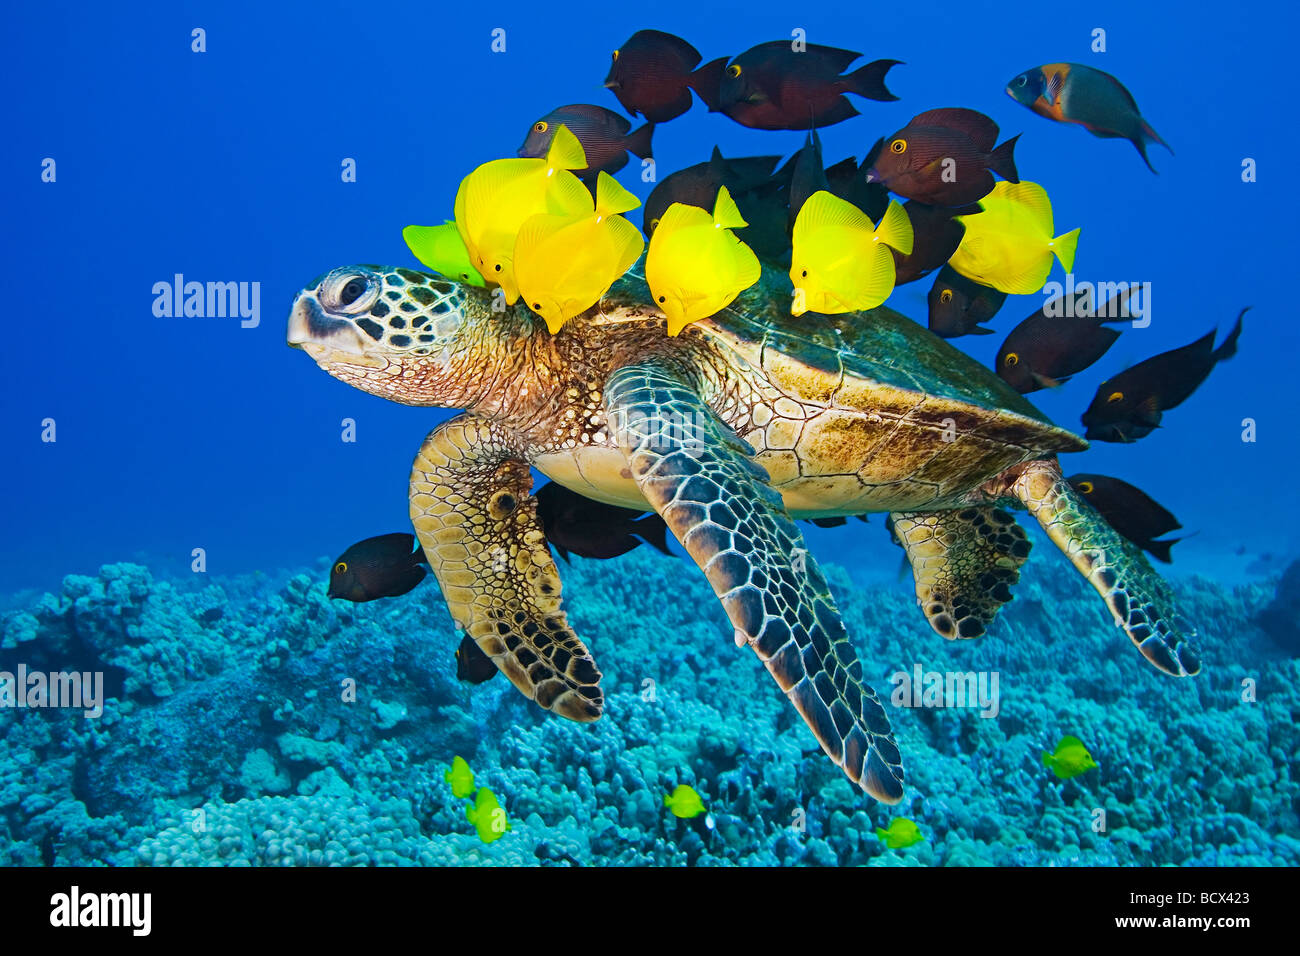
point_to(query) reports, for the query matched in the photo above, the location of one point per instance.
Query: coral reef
(257, 722)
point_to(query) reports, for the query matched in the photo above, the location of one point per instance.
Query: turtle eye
(945, 295)
(341, 568)
(733, 70)
(540, 126)
(1114, 397)
(1012, 360)
(348, 292)
(1085, 487)
(898, 146)
(616, 54)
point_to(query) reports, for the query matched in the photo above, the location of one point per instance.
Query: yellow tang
(1070, 758)
(684, 801)
(696, 266)
(1010, 245)
(840, 261)
(488, 816)
(901, 833)
(442, 250)
(497, 198)
(564, 264)
(460, 777)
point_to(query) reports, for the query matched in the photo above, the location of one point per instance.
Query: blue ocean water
(183, 433)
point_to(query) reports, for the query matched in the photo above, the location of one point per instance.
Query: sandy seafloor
(226, 698)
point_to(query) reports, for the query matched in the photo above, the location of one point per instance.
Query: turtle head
(392, 332)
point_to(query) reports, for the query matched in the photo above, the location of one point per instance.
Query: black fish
(1047, 348)
(958, 305)
(766, 209)
(472, 665)
(592, 529)
(378, 567)
(651, 74)
(698, 185)
(1130, 405)
(807, 175)
(945, 157)
(773, 86)
(935, 237)
(847, 181)
(606, 137)
(1130, 511)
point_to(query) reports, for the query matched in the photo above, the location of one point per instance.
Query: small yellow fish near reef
(460, 777)
(696, 266)
(684, 802)
(841, 260)
(496, 199)
(442, 250)
(564, 264)
(901, 833)
(1010, 245)
(1070, 758)
(487, 816)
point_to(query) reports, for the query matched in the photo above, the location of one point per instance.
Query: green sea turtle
(730, 431)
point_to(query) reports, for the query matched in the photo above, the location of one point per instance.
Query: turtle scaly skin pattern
(744, 422)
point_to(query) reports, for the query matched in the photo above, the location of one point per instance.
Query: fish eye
(663, 298)
(1022, 79)
(341, 568)
(1012, 359)
(540, 126)
(945, 295)
(733, 70)
(1115, 397)
(898, 146)
(1085, 487)
(616, 54)
(497, 267)
(654, 224)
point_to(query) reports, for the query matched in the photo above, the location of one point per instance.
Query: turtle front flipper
(964, 563)
(478, 525)
(703, 481)
(1139, 599)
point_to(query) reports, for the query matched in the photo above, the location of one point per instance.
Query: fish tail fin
(638, 141)
(1160, 549)
(726, 213)
(1048, 759)
(1229, 347)
(895, 229)
(566, 152)
(1003, 161)
(1151, 134)
(654, 532)
(869, 81)
(612, 198)
(882, 833)
(707, 82)
(1064, 247)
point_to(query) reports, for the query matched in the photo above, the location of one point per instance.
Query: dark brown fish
(958, 305)
(379, 567)
(605, 136)
(935, 237)
(945, 157)
(1130, 511)
(592, 529)
(847, 181)
(651, 74)
(807, 175)
(1056, 342)
(774, 87)
(1130, 405)
(472, 665)
(698, 185)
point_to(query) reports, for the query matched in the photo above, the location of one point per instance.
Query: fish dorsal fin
(625, 241)
(679, 216)
(895, 229)
(612, 198)
(565, 152)
(1069, 741)
(726, 214)
(824, 210)
(567, 196)
(1032, 199)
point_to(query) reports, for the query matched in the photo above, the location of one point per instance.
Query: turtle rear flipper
(1139, 599)
(478, 525)
(703, 481)
(964, 564)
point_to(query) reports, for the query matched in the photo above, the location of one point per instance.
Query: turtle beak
(325, 338)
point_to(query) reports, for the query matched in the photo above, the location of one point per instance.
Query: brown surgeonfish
(592, 529)
(605, 136)
(945, 157)
(472, 665)
(958, 305)
(652, 74)
(1130, 511)
(698, 185)
(1056, 342)
(379, 567)
(935, 237)
(1130, 405)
